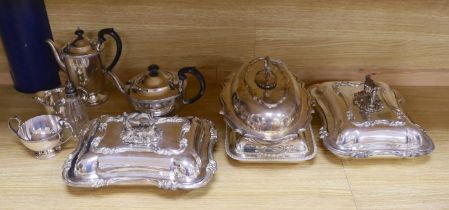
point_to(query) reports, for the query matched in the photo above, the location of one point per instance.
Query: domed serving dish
(268, 113)
(365, 119)
(138, 149)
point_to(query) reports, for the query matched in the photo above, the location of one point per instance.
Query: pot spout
(117, 82)
(56, 53)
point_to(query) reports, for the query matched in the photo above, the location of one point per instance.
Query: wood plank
(318, 184)
(404, 41)
(329, 40)
(172, 34)
(322, 183)
(420, 183)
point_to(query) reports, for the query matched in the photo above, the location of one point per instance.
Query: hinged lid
(364, 119)
(264, 100)
(154, 85)
(80, 45)
(168, 152)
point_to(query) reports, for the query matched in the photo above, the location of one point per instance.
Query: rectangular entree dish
(382, 129)
(136, 149)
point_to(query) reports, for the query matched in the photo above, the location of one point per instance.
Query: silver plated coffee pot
(82, 62)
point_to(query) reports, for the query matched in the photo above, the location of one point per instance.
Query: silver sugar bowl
(42, 134)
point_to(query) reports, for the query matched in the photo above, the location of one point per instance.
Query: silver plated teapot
(81, 60)
(159, 92)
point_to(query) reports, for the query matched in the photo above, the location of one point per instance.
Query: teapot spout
(117, 82)
(57, 53)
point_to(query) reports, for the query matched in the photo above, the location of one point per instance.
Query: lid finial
(154, 70)
(79, 32)
(368, 100)
(265, 78)
(80, 45)
(267, 67)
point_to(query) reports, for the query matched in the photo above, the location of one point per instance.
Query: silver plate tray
(365, 119)
(294, 149)
(136, 149)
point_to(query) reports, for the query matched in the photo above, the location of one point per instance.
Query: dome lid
(266, 101)
(80, 45)
(155, 84)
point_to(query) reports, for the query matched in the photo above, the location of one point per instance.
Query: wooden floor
(325, 182)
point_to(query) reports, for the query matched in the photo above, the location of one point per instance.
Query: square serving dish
(268, 114)
(136, 149)
(365, 119)
(292, 149)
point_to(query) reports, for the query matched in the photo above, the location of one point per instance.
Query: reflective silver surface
(248, 149)
(156, 91)
(54, 100)
(81, 60)
(365, 119)
(265, 103)
(162, 100)
(42, 134)
(86, 71)
(136, 149)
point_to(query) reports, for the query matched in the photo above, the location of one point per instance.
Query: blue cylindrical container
(24, 27)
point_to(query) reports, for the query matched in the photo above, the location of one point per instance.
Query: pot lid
(264, 100)
(354, 113)
(155, 84)
(80, 45)
(135, 148)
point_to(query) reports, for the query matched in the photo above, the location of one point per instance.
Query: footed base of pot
(47, 154)
(163, 108)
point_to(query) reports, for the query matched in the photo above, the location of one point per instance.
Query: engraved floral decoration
(80, 65)
(191, 174)
(141, 131)
(141, 134)
(368, 100)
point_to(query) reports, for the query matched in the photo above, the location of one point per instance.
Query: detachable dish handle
(197, 74)
(11, 127)
(118, 44)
